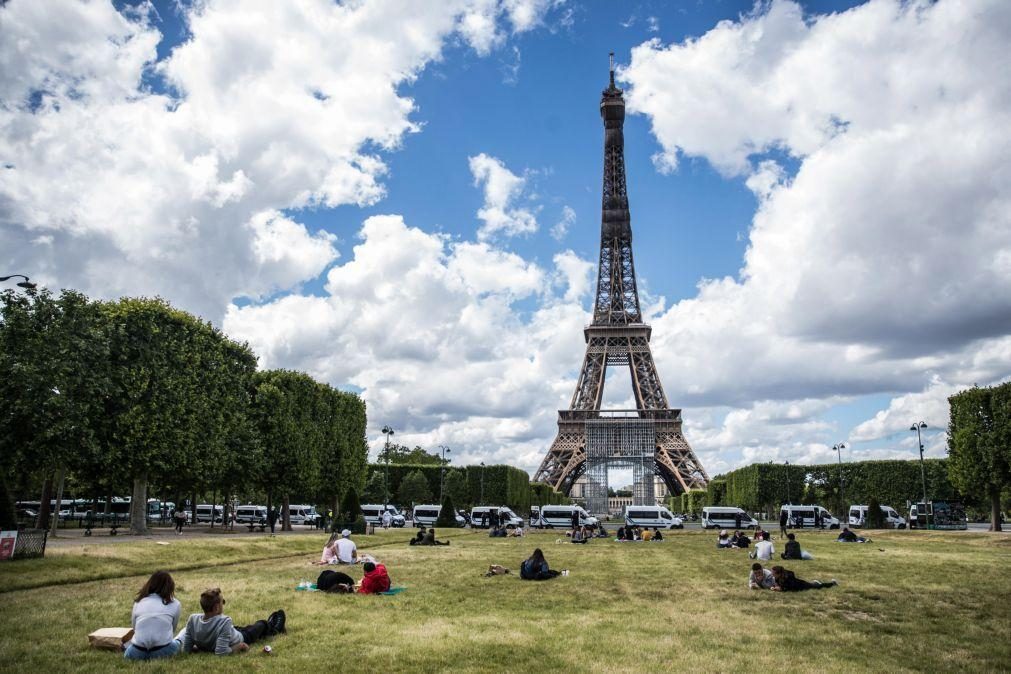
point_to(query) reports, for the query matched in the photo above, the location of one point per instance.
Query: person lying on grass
(847, 536)
(430, 539)
(419, 539)
(786, 581)
(336, 582)
(212, 631)
(536, 568)
(154, 619)
(760, 579)
(376, 579)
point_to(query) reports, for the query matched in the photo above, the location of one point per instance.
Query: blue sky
(370, 193)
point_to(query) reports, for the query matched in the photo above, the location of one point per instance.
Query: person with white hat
(347, 551)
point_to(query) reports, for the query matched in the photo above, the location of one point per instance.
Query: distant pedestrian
(387, 519)
(783, 519)
(179, 518)
(575, 519)
(272, 515)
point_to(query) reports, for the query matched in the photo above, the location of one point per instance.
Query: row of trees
(121, 396)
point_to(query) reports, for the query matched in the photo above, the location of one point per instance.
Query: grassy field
(911, 601)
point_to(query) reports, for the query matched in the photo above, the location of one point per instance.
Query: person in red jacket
(375, 580)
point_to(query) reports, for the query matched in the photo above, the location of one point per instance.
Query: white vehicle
(506, 517)
(204, 511)
(652, 516)
(425, 516)
(805, 516)
(302, 514)
(251, 513)
(535, 515)
(721, 517)
(373, 514)
(560, 516)
(858, 516)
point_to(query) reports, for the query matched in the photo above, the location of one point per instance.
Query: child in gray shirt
(214, 631)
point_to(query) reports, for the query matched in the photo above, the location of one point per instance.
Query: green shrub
(447, 515)
(875, 515)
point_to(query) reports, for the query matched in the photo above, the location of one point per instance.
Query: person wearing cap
(347, 551)
(724, 540)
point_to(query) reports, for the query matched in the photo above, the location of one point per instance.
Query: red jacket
(375, 581)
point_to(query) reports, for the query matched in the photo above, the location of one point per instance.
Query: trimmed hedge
(503, 485)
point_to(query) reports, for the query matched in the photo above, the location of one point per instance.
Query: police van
(204, 511)
(722, 517)
(303, 514)
(799, 516)
(560, 516)
(245, 514)
(373, 514)
(425, 516)
(652, 516)
(858, 516)
(480, 517)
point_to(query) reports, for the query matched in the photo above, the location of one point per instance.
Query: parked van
(535, 515)
(652, 516)
(425, 516)
(245, 514)
(373, 514)
(204, 513)
(805, 516)
(560, 516)
(302, 514)
(858, 516)
(483, 513)
(721, 517)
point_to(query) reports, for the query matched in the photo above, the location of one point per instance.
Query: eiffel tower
(648, 439)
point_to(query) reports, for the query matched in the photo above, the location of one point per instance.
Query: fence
(31, 544)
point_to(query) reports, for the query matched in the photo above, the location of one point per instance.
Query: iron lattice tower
(649, 438)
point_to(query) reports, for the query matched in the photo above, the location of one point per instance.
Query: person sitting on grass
(336, 582)
(793, 550)
(375, 580)
(497, 531)
(536, 568)
(347, 551)
(647, 535)
(743, 541)
(329, 552)
(657, 536)
(431, 540)
(419, 539)
(764, 549)
(620, 535)
(517, 532)
(213, 632)
(579, 535)
(786, 581)
(154, 619)
(760, 579)
(847, 536)
(724, 540)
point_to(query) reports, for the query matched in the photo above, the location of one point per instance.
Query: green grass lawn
(927, 602)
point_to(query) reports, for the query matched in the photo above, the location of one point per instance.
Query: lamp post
(482, 483)
(923, 474)
(26, 284)
(442, 476)
(787, 464)
(842, 485)
(387, 431)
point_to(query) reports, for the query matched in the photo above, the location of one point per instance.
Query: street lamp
(482, 483)
(442, 476)
(842, 485)
(387, 431)
(923, 475)
(26, 284)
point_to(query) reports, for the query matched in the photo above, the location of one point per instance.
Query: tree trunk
(995, 510)
(8, 516)
(286, 526)
(138, 506)
(44, 509)
(193, 508)
(108, 504)
(59, 501)
(214, 506)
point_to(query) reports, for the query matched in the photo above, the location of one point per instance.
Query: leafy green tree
(979, 444)
(457, 488)
(414, 457)
(447, 514)
(414, 489)
(374, 488)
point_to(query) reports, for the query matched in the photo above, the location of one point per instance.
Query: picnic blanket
(394, 590)
(312, 588)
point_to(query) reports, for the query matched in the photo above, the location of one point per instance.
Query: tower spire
(612, 69)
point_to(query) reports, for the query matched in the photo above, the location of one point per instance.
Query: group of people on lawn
(777, 578)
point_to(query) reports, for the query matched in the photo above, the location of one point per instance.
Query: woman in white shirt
(155, 619)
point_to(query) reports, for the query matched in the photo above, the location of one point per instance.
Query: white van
(560, 516)
(652, 516)
(302, 514)
(245, 514)
(858, 516)
(722, 517)
(506, 517)
(425, 516)
(204, 513)
(373, 514)
(804, 516)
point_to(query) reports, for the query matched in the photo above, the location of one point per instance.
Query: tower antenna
(612, 69)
